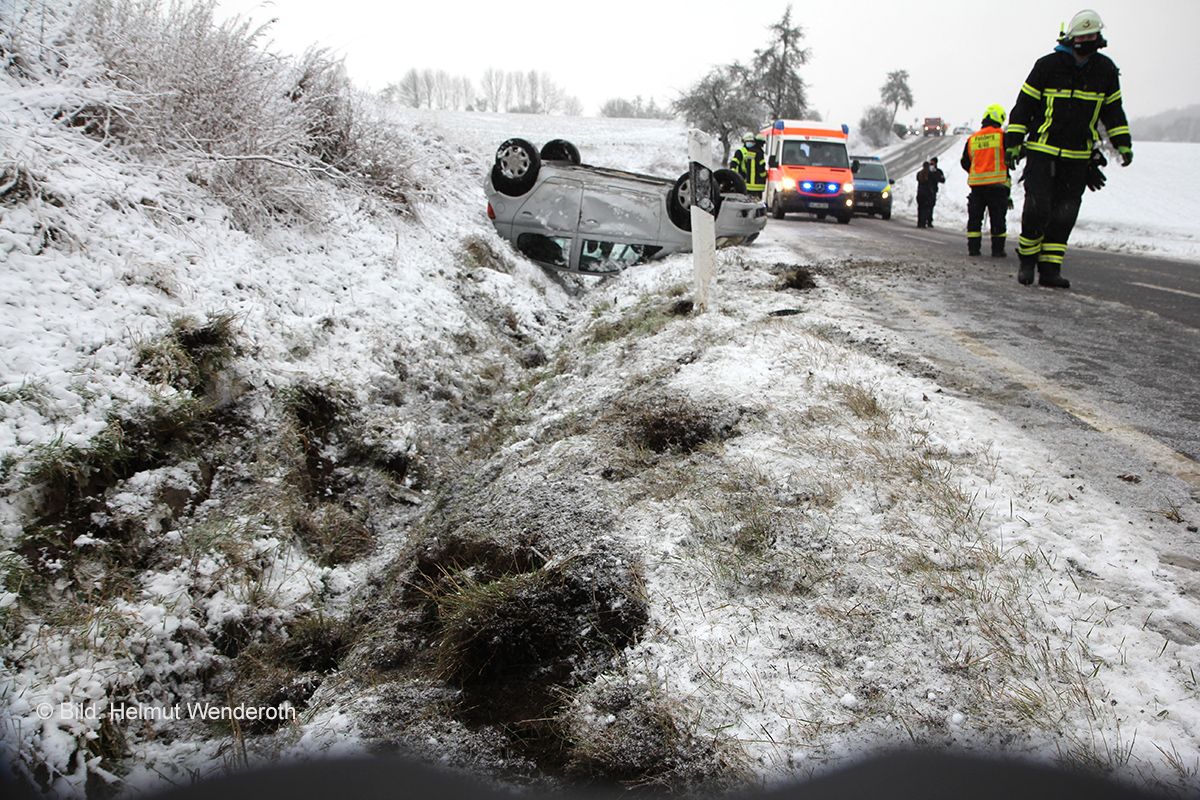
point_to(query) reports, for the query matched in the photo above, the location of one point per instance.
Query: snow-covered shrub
(262, 132)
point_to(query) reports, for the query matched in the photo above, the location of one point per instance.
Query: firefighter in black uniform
(1054, 124)
(751, 163)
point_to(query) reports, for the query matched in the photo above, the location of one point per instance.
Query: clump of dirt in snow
(673, 424)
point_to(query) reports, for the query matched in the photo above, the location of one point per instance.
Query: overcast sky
(960, 56)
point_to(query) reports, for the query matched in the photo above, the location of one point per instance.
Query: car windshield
(815, 154)
(871, 171)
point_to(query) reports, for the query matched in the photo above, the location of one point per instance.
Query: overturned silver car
(593, 220)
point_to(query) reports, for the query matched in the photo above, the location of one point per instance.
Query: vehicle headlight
(789, 183)
(831, 188)
(885, 194)
(806, 186)
(847, 187)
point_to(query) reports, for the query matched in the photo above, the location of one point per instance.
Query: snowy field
(856, 560)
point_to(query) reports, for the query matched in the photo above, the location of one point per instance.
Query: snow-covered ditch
(405, 488)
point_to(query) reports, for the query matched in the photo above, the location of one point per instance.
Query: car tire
(560, 150)
(729, 182)
(679, 210)
(516, 167)
(777, 209)
(886, 214)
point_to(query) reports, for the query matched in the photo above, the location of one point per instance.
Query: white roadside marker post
(703, 213)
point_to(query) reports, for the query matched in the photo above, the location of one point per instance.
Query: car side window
(552, 250)
(605, 257)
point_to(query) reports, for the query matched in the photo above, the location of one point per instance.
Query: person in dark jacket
(1054, 123)
(924, 196)
(987, 177)
(751, 163)
(936, 177)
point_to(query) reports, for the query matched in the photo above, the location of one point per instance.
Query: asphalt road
(1107, 372)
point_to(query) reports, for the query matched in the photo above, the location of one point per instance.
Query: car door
(619, 225)
(545, 226)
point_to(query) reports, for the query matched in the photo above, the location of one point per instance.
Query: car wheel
(729, 182)
(679, 202)
(844, 219)
(886, 214)
(516, 167)
(560, 150)
(777, 209)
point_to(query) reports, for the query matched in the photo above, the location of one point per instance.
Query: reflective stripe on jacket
(752, 166)
(1061, 103)
(985, 149)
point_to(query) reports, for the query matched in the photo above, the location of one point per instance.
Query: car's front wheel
(516, 167)
(777, 209)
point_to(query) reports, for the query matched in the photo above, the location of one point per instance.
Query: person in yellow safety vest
(1054, 121)
(751, 163)
(987, 175)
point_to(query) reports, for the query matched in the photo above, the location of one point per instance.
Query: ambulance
(809, 170)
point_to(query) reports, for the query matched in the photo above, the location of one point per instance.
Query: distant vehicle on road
(962, 129)
(872, 187)
(808, 169)
(593, 220)
(934, 126)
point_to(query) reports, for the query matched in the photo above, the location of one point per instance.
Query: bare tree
(895, 93)
(492, 86)
(774, 76)
(722, 104)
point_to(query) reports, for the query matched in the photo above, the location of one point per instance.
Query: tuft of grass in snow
(630, 733)
(333, 534)
(646, 318)
(191, 355)
(70, 473)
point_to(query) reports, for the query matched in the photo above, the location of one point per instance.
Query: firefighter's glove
(1012, 156)
(1126, 155)
(1095, 178)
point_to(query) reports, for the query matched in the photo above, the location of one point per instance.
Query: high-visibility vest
(752, 167)
(986, 148)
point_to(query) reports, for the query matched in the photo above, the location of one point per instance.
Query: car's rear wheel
(729, 182)
(516, 167)
(560, 150)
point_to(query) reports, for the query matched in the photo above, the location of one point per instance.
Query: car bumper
(872, 203)
(816, 204)
(739, 219)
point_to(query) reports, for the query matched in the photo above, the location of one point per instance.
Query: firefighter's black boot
(1028, 266)
(1051, 275)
